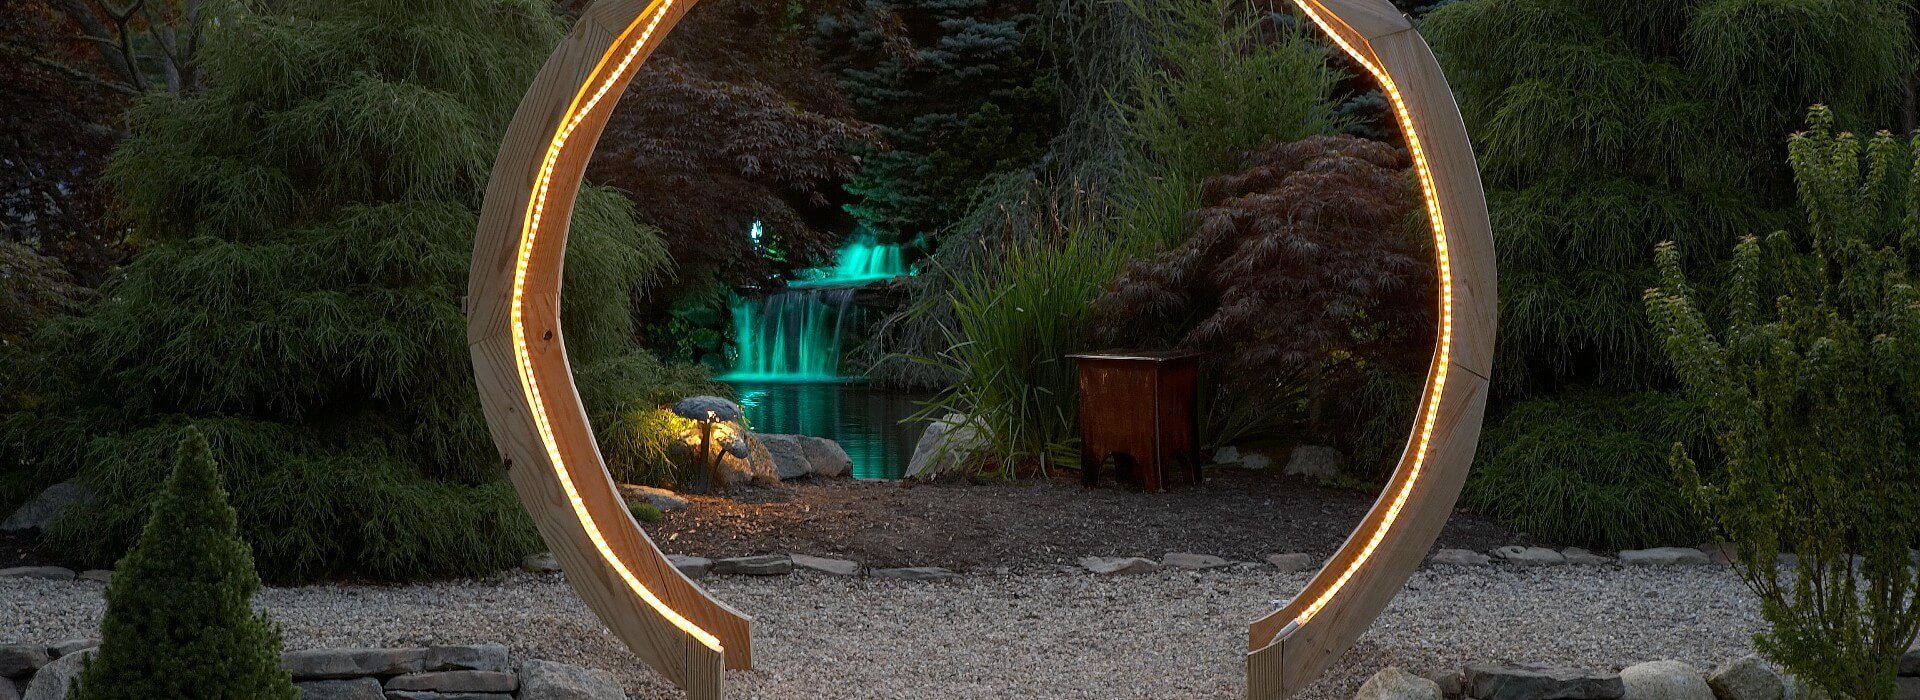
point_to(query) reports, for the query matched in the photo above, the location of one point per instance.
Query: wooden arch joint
(1292, 646)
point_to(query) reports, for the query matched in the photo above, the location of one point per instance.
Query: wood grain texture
(1291, 647)
(526, 384)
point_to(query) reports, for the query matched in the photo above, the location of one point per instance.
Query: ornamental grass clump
(179, 623)
(1812, 385)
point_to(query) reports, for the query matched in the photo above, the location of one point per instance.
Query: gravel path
(1036, 634)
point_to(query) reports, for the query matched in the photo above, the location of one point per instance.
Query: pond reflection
(872, 424)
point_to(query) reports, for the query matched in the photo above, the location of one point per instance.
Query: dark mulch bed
(21, 550)
(1237, 514)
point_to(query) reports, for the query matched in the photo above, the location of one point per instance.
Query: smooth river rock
(1392, 683)
(53, 679)
(1664, 680)
(827, 458)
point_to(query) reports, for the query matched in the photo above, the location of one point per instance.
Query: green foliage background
(180, 621)
(1602, 129)
(305, 226)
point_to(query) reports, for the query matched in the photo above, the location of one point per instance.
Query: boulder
(354, 689)
(1313, 462)
(69, 646)
(746, 462)
(691, 567)
(1292, 563)
(944, 447)
(1451, 681)
(828, 458)
(1119, 565)
(1189, 560)
(789, 458)
(1662, 556)
(53, 679)
(1528, 556)
(666, 501)
(762, 565)
(915, 573)
(1460, 557)
(9, 691)
(435, 695)
(1722, 553)
(456, 682)
(52, 503)
(548, 680)
(1392, 683)
(1664, 680)
(353, 663)
(100, 575)
(491, 656)
(1226, 455)
(51, 573)
(1576, 555)
(21, 660)
(837, 567)
(1539, 682)
(1255, 460)
(1747, 678)
(540, 563)
(1910, 663)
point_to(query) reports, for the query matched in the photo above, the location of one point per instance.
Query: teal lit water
(874, 425)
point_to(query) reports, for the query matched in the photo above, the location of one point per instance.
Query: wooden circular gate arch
(534, 412)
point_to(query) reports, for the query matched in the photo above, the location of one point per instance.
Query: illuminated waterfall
(797, 335)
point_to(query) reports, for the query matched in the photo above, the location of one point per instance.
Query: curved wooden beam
(520, 358)
(1292, 646)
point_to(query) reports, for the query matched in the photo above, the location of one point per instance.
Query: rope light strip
(1432, 409)
(598, 85)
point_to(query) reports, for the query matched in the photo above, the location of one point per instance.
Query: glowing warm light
(596, 88)
(1432, 409)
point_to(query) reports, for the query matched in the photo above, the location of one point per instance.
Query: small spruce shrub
(1811, 382)
(645, 512)
(179, 623)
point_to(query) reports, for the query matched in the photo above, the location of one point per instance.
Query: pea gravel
(1042, 633)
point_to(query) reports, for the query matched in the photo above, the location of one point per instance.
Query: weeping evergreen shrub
(1810, 379)
(179, 620)
(305, 225)
(1603, 128)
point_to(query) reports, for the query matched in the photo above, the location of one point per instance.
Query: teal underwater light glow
(798, 335)
(862, 260)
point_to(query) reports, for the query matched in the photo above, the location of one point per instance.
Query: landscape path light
(534, 413)
(705, 411)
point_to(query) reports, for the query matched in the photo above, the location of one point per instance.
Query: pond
(874, 425)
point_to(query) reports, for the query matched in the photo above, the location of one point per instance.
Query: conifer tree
(179, 623)
(306, 222)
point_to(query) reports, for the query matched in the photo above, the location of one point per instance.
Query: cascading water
(797, 335)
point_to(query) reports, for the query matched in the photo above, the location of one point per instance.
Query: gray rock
(666, 501)
(353, 663)
(944, 447)
(1313, 461)
(19, 660)
(9, 691)
(1576, 555)
(1460, 557)
(1119, 565)
(540, 563)
(547, 680)
(1226, 455)
(1255, 460)
(1529, 556)
(101, 575)
(915, 573)
(1664, 680)
(434, 695)
(828, 458)
(837, 567)
(789, 458)
(52, 681)
(1539, 682)
(1189, 560)
(1662, 556)
(1748, 678)
(762, 565)
(1910, 663)
(52, 573)
(1291, 563)
(1392, 683)
(1906, 688)
(1722, 553)
(491, 656)
(52, 503)
(354, 689)
(68, 646)
(1452, 682)
(691, 567)
(456, 682)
